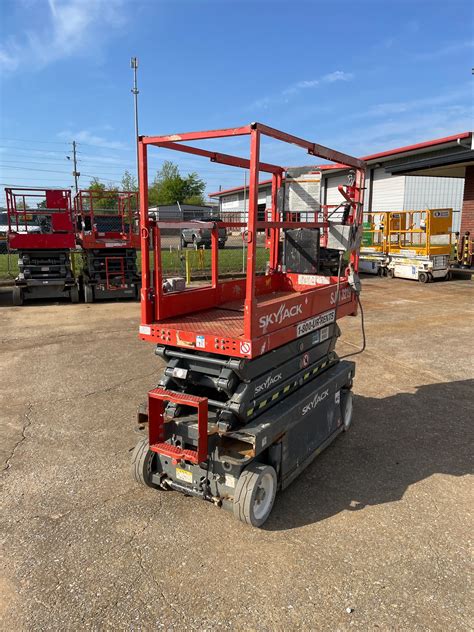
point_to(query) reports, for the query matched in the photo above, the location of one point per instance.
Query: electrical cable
(354, 353)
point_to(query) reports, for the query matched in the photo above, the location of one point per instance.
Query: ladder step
(175, 452)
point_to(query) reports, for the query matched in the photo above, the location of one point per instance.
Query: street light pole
(134, 66)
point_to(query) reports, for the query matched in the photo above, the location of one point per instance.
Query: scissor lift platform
(253, 389)
(222, 329)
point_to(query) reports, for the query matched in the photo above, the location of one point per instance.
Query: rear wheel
(88, 293)
(195, 243)
(17, 297)
(142, 461)
(74, 294)
(255, 494)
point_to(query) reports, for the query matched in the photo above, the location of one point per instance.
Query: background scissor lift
(107, 228)
(41, 231)
(253, 389)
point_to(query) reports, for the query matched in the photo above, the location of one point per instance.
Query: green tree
(104, 197)
(169, 187)
(129, 182)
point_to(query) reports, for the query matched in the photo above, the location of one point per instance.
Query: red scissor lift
(253, 388)
(107, 227)
(41, 230)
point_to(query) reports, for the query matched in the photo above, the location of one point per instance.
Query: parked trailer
(41, 231)
(107, 234)
(253, 389)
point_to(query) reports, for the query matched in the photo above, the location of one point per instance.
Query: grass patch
(230, 260)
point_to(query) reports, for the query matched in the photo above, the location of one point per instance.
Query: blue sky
(359, 77)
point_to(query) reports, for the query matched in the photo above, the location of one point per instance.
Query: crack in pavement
(25, 426)
(104, 389)
(149, 573)
(30, 405)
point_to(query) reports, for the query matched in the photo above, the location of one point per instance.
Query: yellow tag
(184, 475)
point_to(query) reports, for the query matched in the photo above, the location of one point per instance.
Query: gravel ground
(374, 535)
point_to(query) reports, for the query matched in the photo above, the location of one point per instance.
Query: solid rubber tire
(17, 296)
(88, 293)
(142, 459)
(245, 491)
(74, 294)
(423, 277)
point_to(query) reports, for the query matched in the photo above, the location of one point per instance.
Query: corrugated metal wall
(233, 205)
(426, 192)
(387, 192)
(333, 196)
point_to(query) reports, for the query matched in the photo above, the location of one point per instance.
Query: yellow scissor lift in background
(419, 244)
(407, 244)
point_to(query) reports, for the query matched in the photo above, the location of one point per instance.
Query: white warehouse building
(385, 190)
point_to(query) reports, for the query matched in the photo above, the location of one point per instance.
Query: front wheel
(255, 494)
(183, 243)
(423, 277)
(74, 294)
(142, 461)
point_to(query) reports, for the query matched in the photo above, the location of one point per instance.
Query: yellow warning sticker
(184, 475)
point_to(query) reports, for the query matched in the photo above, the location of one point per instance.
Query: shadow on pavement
(394, 442)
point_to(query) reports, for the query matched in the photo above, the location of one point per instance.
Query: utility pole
(134, 66)
(75, 172)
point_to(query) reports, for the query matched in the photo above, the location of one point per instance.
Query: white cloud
(444, 51)
(400, 107)
(417, 127)
(295, 88)
(88, 138)
(74, 27)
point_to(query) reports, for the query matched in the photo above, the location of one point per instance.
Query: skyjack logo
(268, 382)
(315, 401)
(344, 294)
(283, 313)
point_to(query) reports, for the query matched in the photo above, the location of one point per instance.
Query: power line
(36, 169)
(41, 151)
(30, 140)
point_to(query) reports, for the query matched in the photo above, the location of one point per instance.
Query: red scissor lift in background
(41, 230)
(107, 226)
(253, 389)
